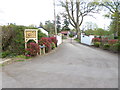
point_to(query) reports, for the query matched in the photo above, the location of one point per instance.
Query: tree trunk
(77, 19)
(78, 33)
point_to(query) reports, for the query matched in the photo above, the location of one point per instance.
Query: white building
(43, 31)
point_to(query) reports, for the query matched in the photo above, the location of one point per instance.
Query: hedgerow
(13, 42)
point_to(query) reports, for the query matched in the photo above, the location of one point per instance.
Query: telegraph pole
(55, 19)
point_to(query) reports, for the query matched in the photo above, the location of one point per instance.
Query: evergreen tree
(58, 24)
(66, 25)
(115, 24)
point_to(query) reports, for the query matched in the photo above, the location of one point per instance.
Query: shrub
(97, 44)
(104, 40)
(96, 40)
(54, 39)
(64, 37)
(5, 54)
(71, 35)
(40, 34)
(53, 45)
(33, 49)
(112, 41)
(45, 41)
(13, 38)
(49, 40)
(28, 56)
(106, 46)
(115, 47)
(76, 39)
(116, 37)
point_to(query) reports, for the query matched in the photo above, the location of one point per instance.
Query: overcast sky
(27, 12)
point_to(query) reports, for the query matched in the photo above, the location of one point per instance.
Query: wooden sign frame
(30, 34)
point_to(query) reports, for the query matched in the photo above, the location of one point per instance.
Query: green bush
(116, 37)
(119, 38)
(0, 54)
(97, 44)
(106, 46)
(53, 45)
(71, 35)
(40, 34)
(64, 37)
(20, 56)
(115, 47)
(76, 39)
(13, 39)
(5, 54)
(19, 60)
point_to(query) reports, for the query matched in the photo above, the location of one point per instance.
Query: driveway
(71, 65)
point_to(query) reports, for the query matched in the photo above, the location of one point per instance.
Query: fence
(59, 38)
(86, 39)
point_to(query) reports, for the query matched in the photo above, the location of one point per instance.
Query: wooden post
(44, 50)
(40, 51)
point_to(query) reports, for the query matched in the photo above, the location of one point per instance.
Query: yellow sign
(30, 34)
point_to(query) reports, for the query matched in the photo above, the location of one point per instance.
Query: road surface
(71, 65)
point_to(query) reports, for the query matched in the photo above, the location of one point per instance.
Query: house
(43, 30)
(65, 33)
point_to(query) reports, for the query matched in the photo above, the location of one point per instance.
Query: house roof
(64, 32)
(43, 28)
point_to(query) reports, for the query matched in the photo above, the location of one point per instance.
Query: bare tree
(77, 10)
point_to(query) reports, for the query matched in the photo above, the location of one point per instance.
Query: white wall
(59, 38)
(86, 39)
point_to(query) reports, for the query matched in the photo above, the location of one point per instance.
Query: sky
(27, 12)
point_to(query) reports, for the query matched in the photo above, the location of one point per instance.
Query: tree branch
(81, 21)
(69, 12)
(108, 7)
(74, 25)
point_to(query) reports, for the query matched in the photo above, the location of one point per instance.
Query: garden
(13, 43)
(33, 49)
(112, 45)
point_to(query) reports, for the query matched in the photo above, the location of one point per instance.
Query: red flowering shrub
(47, 42)
(33, 49)
(104, 40)
(54, 40)
(49, 39)
(96, 40)
(112, 41)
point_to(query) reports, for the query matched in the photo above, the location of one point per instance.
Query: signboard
(30, 34)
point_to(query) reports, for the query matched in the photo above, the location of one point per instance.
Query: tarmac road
(71, 65)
